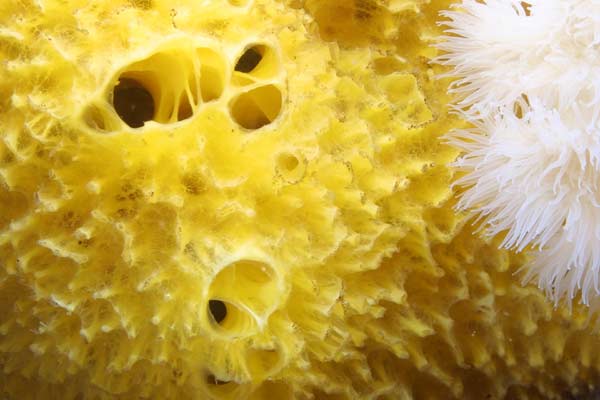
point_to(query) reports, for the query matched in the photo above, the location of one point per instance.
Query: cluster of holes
(168, 86)
(171, 85)
(259, 104)
(241, 298)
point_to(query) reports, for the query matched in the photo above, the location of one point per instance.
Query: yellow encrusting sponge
(250, 200)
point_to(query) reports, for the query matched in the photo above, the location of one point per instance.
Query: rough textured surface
(305, 193)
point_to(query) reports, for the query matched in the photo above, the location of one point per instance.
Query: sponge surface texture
(251, 200)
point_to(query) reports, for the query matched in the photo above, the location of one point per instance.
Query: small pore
(133, 102)
(287, 162)
(290, 167)
(250, 59)
(217, 310)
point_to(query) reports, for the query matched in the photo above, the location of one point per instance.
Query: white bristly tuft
(498, 52)
(528, 78)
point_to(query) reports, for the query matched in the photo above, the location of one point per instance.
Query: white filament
(528, 78)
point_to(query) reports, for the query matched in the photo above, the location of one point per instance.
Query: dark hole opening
(249, 60)
(133, 103)
(218, 310)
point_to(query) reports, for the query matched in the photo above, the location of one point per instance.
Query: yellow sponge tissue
(251, 200)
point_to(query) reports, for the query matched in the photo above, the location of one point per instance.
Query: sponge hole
(287, 162)
(257, 61)
(250, 283)
(240, 295)
(162, 88)
(257, 107)
(133, 102)
(217, 310)
(230, 319)
(290, 167)
(249, 59)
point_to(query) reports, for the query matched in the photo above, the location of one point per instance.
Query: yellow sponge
(250, 200)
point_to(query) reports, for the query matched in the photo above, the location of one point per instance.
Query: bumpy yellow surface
(307, 194)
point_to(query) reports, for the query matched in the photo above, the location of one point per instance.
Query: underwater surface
(253, 199)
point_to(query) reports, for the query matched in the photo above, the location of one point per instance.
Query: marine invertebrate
(211, 207)
(546, 49)
(531, 162)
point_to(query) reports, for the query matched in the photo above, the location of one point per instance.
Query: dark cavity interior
(218, 310)
(133, 103)
(249, 60)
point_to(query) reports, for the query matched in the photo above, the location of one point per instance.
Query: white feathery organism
(499, 50)
(528, 78)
